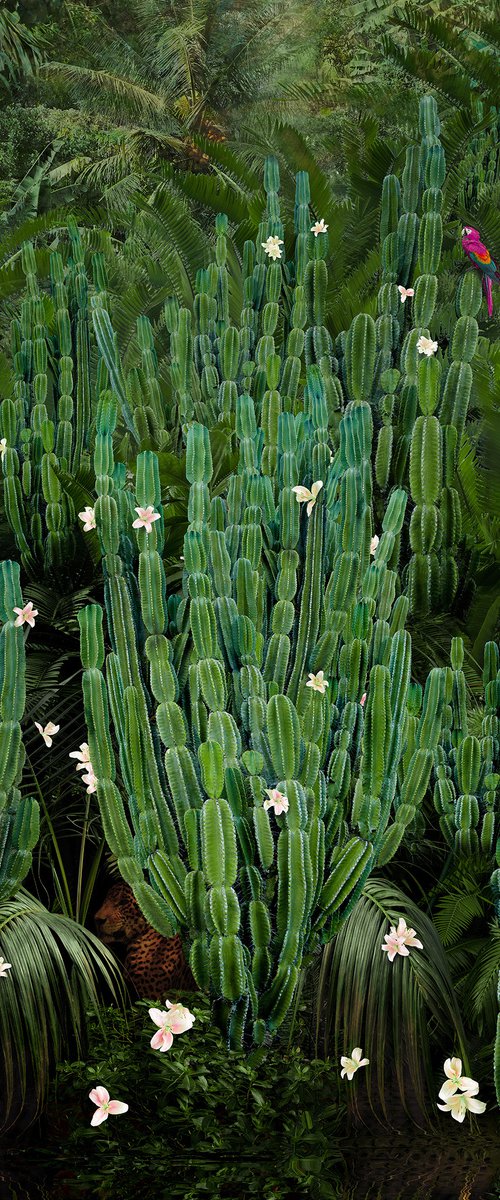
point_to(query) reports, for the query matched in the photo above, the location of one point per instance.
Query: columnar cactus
(19, 816)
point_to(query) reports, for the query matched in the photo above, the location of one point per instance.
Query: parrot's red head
(467, 231)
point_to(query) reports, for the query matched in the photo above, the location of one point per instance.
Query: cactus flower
(459, 1104)
(363, 698)
(272, 247)
(456, 1081)
(318, 682)
(305, 496)
(405, 292)
(48, 732)
(276, 798)
(426, 346)
(4, 967)
(350, 1065)
(28, 614)
(84, 755)
(3, 446)
(90, 780)
(373, 544)
(145, 518)
(106, 1107)
(398, 940)
(177, 1020)
(319, 227)
(88, 518)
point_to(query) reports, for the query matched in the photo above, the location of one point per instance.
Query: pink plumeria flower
(319, 227)
(169, 1023)
(88, 518)
(145, 518)
(374, 543)
(272, 247)
(363, 698)
(277, 799)
(405, 292)
(318, 682)
(83, 754)
(48, 732)
(106, 1107)
(27, 613)
(456, 1081)
(398, 940)
(90, 780)
(4, 967)
(3, 447)
(460, 1103)
(426, 346)
(351, 1065)
(304, 496)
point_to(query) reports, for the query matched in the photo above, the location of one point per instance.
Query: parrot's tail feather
(489, 294)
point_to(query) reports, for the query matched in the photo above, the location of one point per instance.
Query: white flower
(84, 756)
(90, 780)
(319, 227)
(373, 544)
(405, 292)
(350, 1065)
(426, 346)
(304, 496)
(318, 682)
(459, 1104)
(145, 518)
(48, 732)
(4, 967)
(3, 446)
(276, 798)
(456, 1081)
(272, 246)
(88, 518)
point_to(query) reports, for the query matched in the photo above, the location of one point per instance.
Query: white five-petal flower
(145, 518)
(426, 346)
(83, 754)
(4, 967)
(304, 496)
(459, 1103)
(456, 1081)
(276, 799)
(405, 292)
(3, 447)
(351, 1065)
(272, 246)
(27, 613)
(319, 227)
(88, 518)
(318, 682)
(48, 732)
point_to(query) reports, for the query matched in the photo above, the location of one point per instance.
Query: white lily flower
(272, 247)
(456, 1081)
(48, 732)
(319, 227)
(352, 1064)
(304, 496)
(460, 1103)
(426, 346)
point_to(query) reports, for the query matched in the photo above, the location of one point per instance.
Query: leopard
(155, 967)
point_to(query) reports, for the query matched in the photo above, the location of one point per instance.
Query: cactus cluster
(19, 815)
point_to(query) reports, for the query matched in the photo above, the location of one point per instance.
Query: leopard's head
(119, 918)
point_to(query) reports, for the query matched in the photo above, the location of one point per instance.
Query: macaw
(481, 258)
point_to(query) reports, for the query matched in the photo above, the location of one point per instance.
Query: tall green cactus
(19, 816)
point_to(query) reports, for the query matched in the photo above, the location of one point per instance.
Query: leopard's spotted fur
(155, 966)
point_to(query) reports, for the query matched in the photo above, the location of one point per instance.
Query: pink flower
(88, 518)
(456, 1081)
(405, 292)
(373, 544)
(276, 798)
(319, 227)
(363, 698)
(84, 755)
(4, 967)
(304, 496)
(28, 614)
(106, 1107)
(48, 732)
(177, 1020)
(350, 1065)
(145, 518)
(399, 939)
